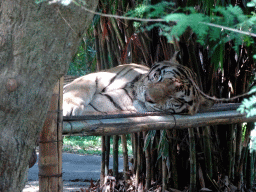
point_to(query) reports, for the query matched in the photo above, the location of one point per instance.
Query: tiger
(165, 87)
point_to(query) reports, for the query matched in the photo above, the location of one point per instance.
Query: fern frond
(228, 23)
(248, 105)
(248, 24)
(226, 17)
(237, 12)
(151, 11)
(160, 9)
(194, 21)
(215, 34)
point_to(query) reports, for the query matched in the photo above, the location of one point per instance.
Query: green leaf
(251, 4)
(39, 1)
(253, 90)
(176, 17)
(252, 112)
(149, 139)
(151, 11)
(241, 109)
(66, 2)
(249, 105)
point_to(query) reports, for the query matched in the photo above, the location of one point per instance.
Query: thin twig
(229, 28)
(67, 22)
(120, 17)
(162, 20)
(159, 20)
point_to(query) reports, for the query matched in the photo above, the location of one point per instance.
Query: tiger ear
(176, 58)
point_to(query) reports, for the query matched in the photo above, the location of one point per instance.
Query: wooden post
(50, 146)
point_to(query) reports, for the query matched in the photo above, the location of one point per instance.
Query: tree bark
(37, 42)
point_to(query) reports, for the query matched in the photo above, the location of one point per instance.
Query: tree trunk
(37, 42)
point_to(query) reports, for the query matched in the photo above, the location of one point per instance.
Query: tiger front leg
(140, 106)
(78, 94)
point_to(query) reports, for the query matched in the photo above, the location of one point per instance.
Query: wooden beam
(126, 125)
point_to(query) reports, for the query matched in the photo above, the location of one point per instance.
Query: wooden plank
(126, 125)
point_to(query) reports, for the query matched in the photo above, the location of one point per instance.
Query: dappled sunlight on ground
(33, 186)
(77, 171)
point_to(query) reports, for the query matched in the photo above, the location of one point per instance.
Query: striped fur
(166, 87)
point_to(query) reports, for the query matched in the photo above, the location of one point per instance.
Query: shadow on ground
(75, 167)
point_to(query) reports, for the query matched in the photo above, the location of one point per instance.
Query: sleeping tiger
(166, 87)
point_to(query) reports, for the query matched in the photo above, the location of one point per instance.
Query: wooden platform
(127, 122)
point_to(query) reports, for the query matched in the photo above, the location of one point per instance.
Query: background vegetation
(209, 35)
(90, 145)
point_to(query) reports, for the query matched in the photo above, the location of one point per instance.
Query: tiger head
(168, 88)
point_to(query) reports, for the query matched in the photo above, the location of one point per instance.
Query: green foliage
(195, 21)
(248, 105)
(40, 1)
(85, 59)
(82, 145)
(163, 145)
(244, 127)
(145, 10)
(151, 11)
(253, 140)
(233, 17)
(208, 28)
(149, 139)
(90, 145)
(66, 2)
(252, 144)
(63, 2)
(252, 4)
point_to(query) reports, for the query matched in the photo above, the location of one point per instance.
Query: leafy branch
(248, 106)
(230, 18)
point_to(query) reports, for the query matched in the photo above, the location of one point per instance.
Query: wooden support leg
(50, 145)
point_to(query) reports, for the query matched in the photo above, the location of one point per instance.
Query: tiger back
(166, 87)
(107, 91)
